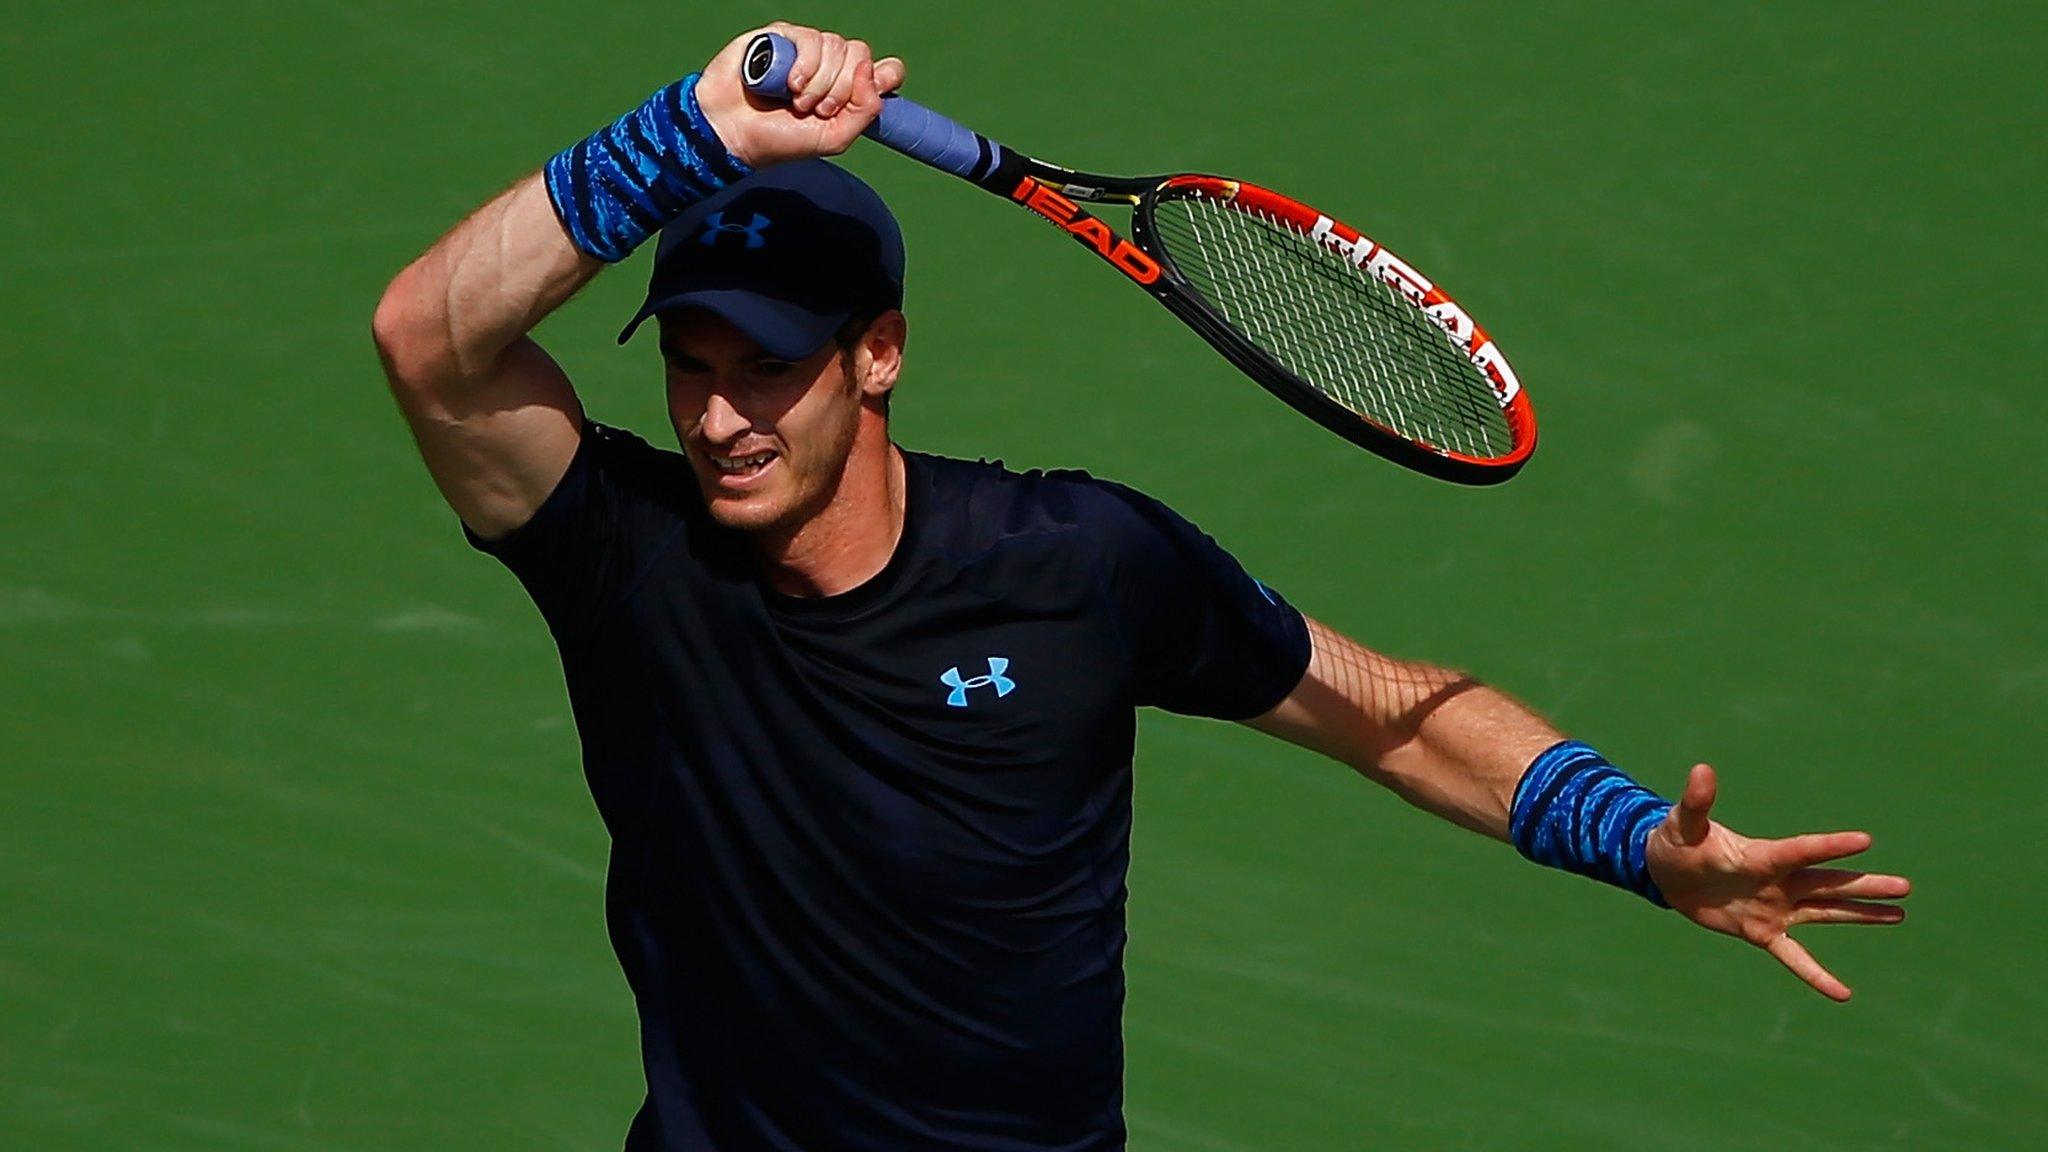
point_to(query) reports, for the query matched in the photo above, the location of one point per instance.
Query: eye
(773, 369)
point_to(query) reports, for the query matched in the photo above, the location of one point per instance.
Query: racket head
(1340, 328)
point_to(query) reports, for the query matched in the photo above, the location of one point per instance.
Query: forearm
(1439, 739)
(451, 315)
(1473, 755)
(1464, 754)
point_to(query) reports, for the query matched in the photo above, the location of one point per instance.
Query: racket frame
(1057, 194)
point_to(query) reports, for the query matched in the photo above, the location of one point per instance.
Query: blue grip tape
(764, 68)
(905, 125)
(922, 134)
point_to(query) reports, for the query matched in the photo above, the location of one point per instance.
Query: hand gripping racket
(1343, 330)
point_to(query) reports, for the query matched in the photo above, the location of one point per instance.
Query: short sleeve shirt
(868, 850)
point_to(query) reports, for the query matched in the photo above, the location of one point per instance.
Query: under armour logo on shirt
(997, 665)
(715, 226)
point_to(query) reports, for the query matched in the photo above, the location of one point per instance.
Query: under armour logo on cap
(997, 665)
(715, 226)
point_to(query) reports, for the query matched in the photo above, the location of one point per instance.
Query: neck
(852, 538)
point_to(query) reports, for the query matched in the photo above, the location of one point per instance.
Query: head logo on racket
(1343, 330)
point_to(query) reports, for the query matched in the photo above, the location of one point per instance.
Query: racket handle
(905, 125)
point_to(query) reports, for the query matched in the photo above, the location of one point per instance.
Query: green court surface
(294, 850)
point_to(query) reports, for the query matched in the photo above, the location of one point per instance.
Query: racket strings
(1323, 347)
(1344, 331)
(1399, 369)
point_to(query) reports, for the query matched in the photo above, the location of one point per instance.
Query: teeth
(735, 464)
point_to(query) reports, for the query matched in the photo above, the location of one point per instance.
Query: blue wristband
(1573, 810)
(617, 187)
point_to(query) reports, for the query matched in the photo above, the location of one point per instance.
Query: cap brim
(779, 327)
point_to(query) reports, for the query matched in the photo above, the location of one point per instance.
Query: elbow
(411, 342)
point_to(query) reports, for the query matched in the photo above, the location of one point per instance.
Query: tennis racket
(1347, 333)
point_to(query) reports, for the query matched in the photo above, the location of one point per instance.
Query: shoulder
(645, 489)
(621, 504)
(986, 504)
(634, 466)
(991, 502)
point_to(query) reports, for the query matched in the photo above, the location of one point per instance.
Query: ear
(879, 355)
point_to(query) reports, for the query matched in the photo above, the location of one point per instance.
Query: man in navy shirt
(860, 720)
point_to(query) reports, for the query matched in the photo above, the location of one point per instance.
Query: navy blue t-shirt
(868, 850)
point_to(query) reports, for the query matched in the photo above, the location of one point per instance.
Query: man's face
(766, 438)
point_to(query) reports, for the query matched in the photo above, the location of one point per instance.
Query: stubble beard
(806, 488)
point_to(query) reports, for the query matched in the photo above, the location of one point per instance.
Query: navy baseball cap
(788, 255)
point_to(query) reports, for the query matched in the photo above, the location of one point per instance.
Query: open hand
(835, 88)
(1759, 889)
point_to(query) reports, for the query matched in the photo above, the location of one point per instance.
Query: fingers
(1814, 848)
(808, 42)
(1846, 912)
(858, 61)
(1693, 807)
(1841, 884)
(862, 106)
(830, 69)
(865, 97)
(1793, 955)
(817, 68)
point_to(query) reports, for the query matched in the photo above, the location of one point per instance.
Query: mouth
(735, 472)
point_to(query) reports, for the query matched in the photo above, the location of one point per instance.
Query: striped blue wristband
(1573, 810)
(615, 188)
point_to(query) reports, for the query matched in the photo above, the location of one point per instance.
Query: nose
(723, 423)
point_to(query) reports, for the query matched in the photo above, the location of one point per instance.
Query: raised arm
(1474, 755)
(495, 418)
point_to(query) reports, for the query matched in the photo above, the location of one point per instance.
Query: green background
(294, 852)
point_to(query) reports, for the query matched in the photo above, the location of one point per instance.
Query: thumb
(888, 74)
(1691, 814)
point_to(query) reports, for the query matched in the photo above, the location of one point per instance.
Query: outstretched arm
(1757, 890)
(1462, 750)
(1439, 739)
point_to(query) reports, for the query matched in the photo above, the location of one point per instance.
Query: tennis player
(858, 719)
